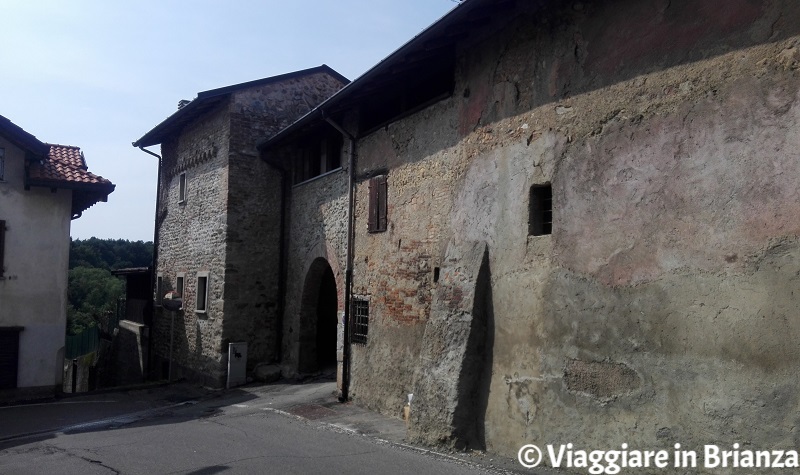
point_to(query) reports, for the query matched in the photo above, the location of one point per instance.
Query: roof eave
(453, 16)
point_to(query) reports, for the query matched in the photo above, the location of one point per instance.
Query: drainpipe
(155, 263)
(348, 276)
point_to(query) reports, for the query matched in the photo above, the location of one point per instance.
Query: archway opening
(327, 323)
(319, 320)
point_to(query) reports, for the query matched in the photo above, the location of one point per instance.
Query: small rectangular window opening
(159, 290)
(179, 284)
(182, 188)
(540, 220)
(360, 325)
(202, 293)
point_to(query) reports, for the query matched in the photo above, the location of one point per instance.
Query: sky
(100, 74)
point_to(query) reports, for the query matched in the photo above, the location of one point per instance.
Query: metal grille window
(540, 221)
(360, 324)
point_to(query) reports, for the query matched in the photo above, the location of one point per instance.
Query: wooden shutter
(377, 204)
(373, 206)
(2, 246)
(382, 205)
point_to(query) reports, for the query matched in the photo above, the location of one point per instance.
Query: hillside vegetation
(93, 291)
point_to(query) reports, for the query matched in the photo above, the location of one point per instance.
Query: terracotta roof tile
(65, 164)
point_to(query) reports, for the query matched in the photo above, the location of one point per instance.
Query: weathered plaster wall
(660, 310)
(192, 237)
(33, 291)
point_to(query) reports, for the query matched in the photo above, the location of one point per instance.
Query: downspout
(155, 262)
(348, 276)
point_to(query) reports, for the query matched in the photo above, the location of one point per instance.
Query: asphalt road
(239, 436)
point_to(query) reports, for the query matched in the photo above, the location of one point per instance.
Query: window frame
(182, 188)
(180, 284)
(201, 296)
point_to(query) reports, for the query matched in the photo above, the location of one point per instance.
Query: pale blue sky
(99, 74)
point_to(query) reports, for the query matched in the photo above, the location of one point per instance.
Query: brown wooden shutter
(373, 206)
(382, 204)
(2, 246)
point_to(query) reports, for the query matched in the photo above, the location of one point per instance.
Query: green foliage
(110, 253)
(93, 291)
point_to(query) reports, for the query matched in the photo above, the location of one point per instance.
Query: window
(2, 164)
(182, 188)
(540, 220)
(360, 322)
(179, 279)
(202, 292)
(322, 155)
(159, 289)
(2, 246)
(377, 204)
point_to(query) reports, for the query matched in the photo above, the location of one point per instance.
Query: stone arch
(319, 320)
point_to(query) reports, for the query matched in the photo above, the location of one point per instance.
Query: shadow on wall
(476, 373)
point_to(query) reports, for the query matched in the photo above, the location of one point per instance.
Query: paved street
(186, 430)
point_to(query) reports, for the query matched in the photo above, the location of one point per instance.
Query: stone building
(43, 187)
(559, 222)
(217, 220)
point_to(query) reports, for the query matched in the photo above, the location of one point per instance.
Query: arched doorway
(319, 320)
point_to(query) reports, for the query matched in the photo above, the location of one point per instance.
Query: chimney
(182, 103)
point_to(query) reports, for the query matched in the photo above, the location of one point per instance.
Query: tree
(93, 292)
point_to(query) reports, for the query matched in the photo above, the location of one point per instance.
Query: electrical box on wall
(237, 364)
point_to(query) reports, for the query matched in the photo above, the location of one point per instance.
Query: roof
(207, 100)
(58, 166)
(22, 139)
(65, 167)
(420, 54)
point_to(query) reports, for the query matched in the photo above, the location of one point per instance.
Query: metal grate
(360, 325)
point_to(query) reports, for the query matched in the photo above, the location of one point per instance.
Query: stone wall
(254, 209)
(660, 310)
(228, 226)
(192, 238)
(317, 229)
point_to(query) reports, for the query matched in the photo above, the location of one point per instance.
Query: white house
(42, 188)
